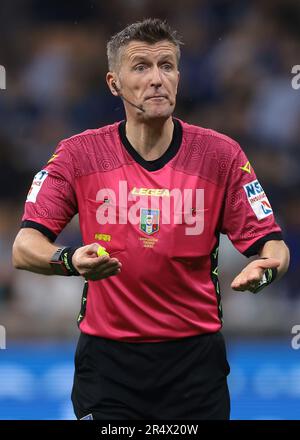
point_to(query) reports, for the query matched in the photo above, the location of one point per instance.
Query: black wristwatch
(61, 262)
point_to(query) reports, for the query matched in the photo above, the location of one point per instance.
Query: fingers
(246, 281)
(103, 269)
(242, 287)
(101, 273)
(252, 274)
(93, 267)
(268, 263)
(91, 248)
(239, 284)
(94, 262)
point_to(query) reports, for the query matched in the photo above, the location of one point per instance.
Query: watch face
(57, 255)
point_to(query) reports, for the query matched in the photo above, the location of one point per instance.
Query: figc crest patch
(149, 220)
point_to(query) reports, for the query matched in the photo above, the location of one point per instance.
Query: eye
(140, 67)
(167, 67)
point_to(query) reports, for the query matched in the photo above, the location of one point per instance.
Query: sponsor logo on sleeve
(258, 199)
(37, 183)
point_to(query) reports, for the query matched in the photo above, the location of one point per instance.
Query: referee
(156, 192)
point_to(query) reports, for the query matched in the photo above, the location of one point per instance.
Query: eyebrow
(138, 58)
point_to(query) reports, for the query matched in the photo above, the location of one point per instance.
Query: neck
(150, 139)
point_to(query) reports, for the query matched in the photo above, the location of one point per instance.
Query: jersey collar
(153, 165)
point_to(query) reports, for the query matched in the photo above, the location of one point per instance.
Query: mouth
(156, 98)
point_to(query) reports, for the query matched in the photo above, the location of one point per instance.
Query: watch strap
(61, 262)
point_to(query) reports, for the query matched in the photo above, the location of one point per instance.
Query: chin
(162, 114)
(157, 118)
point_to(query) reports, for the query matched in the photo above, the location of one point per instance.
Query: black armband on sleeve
(39, 227)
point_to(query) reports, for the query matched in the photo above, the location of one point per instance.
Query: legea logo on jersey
(258, 199)
(149, 208)
(158, 192)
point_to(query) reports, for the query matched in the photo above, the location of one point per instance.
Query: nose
(156, 80)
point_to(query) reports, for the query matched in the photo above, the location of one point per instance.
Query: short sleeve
(51, 201)
(247, 218)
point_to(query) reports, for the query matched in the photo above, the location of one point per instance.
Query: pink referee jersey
(160, 218)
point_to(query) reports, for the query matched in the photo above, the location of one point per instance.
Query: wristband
(61, 262)
(268, 277)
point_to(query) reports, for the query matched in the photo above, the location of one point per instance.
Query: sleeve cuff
(255, 247)
(39, 227)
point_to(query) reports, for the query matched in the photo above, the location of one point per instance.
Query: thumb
(92, 248)
(268, 263)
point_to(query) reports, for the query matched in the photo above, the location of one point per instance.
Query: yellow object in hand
(102, 251)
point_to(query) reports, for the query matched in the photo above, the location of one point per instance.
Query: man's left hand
(251, 275)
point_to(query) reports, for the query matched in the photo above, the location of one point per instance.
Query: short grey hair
(150, 30)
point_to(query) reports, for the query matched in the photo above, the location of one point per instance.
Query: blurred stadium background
(236, 78)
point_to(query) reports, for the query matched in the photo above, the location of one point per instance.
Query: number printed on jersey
(258, 199)
(37, 183)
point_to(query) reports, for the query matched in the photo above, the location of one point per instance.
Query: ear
(178, 79)
(111, 80)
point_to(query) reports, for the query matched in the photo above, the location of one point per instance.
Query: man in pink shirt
(156, 192)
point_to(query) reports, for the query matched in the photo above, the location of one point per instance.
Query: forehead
(141, 49)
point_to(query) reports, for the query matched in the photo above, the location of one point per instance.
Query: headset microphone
(114, 85)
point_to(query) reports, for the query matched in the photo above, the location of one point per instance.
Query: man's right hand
(92, 267)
